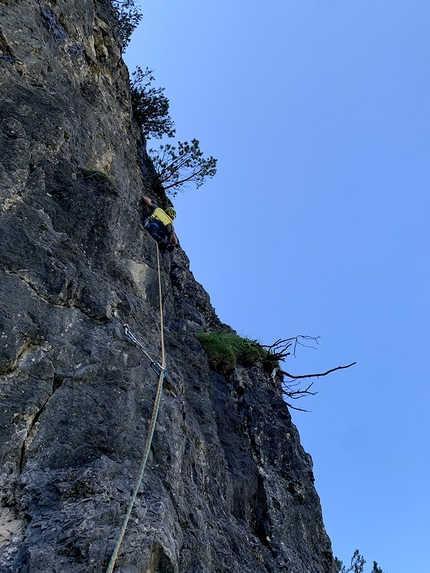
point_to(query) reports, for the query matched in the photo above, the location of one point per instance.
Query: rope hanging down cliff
(160, 369)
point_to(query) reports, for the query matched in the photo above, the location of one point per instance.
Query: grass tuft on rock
(225, 350)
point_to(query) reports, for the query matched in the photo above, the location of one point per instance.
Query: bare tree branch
(295, 407)
(278, 350)
(317, 375)
(290, 385)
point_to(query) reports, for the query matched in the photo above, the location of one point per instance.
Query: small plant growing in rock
(175, 167)
(128, 16)
(356, 565)
(95, 174)
(225, 350)
(150, 105)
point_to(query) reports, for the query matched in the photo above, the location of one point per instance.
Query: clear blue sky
(317, 223)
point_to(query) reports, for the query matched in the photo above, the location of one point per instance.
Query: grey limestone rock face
(228, 487)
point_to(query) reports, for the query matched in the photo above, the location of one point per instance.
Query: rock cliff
(228, 487)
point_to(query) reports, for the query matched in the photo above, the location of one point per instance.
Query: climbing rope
(162, 372)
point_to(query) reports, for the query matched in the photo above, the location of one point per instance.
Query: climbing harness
(161, 371)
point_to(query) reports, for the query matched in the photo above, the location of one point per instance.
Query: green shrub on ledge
(225, 350)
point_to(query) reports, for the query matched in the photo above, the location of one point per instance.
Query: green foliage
(180, 167)
(175, 167)
(225, 350)
(356, 566)
(128, 19)
(150, 105)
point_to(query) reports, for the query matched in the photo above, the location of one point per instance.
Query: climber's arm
(147, 201)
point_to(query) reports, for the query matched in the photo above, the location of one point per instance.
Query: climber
(159, 225)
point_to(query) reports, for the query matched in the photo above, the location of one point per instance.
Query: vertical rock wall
(228, 487)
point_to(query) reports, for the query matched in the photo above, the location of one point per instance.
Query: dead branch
(316, 375)
(290, 386)
(296, 407)
(279, 349)
(289, 390)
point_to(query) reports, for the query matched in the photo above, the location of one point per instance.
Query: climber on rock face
(160, 225)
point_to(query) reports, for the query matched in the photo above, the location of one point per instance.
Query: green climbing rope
(152, 423)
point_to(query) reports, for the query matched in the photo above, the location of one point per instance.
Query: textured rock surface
(228, 487)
